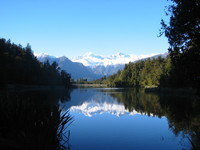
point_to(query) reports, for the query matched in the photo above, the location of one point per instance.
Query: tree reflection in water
(33, 120)
(183, 113)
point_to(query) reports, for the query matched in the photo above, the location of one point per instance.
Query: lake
(130, 119)
(96, 119)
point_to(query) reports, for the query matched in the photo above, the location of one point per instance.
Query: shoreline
(154, 89)
(23, 87)
(89, 85)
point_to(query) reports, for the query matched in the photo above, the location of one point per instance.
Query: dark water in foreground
(103, 119)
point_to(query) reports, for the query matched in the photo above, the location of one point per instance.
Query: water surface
(103, 119)
(128, 119)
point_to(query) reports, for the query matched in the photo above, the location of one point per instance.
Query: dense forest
(149, 72)
(19, 66)
(180, 69)
(183, 33)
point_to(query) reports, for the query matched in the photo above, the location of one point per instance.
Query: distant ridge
(108, 65)
(91, 66)
(77, 70)
(92, 60)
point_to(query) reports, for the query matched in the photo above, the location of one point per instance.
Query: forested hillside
(181, 69)
(149, 72)
(183, 33)
(18, 65)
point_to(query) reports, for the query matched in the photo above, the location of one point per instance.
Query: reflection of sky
(105, 131)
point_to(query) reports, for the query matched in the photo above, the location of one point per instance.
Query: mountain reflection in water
(144, 121)
(102, 119)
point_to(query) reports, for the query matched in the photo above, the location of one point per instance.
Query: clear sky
(74, 27)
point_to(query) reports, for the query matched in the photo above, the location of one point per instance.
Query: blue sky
(74, 27)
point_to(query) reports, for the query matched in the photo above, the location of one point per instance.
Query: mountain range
(92, 66)
(77, 70)
(92, 60)
(108, 65)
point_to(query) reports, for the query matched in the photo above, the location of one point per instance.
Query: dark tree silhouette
(183, 33)
(18, 65)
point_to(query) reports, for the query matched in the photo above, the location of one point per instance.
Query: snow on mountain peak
(43, 55)
(92, 60)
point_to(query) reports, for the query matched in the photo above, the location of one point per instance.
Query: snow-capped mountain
(92, 60)
(42, 57)
(77, 70)
(108, 65)
(91, 66)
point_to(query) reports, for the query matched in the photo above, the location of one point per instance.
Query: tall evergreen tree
(183, 33)
(18, 65)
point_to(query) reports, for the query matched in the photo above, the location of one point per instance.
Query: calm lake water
(106, 119)
(102, 119)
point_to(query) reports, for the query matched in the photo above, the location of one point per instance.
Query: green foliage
(183, 33)
(19, 66)
(181, 69)
(100, 81)
(142, 73)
